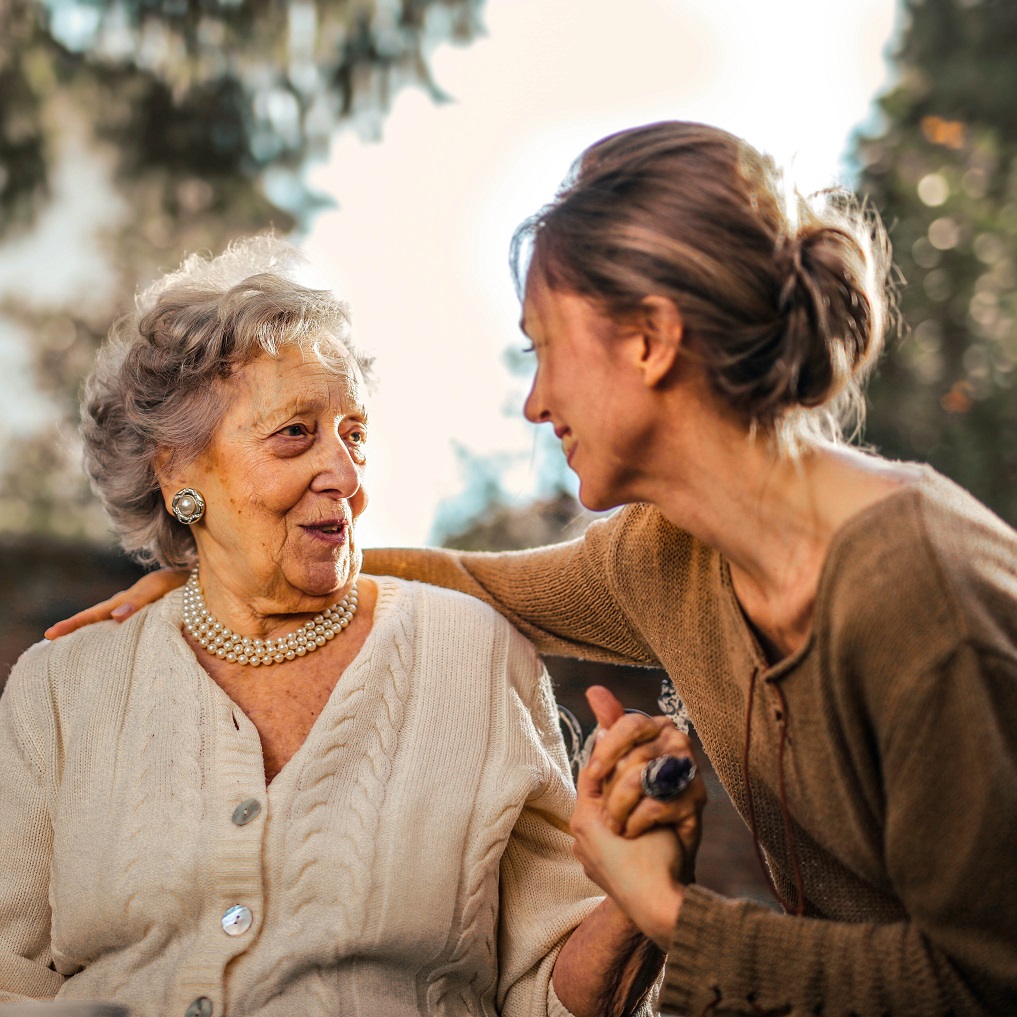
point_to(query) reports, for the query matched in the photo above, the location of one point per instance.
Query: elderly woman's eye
(356, 440)
(293, 431)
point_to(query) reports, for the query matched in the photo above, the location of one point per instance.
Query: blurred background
(399, 142)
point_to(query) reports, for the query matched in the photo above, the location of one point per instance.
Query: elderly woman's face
(283, 483)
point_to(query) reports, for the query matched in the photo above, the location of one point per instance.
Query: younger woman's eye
(529, 348)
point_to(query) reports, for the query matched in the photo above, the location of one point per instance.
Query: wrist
(651, 916)
(667, 917)
(656, 916)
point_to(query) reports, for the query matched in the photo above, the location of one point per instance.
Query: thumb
(589, 798)
(588, 787)
(605, 705)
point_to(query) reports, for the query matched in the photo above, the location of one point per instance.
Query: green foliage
(22, 155)
(944, 176)
(213, 86)
(203, 114)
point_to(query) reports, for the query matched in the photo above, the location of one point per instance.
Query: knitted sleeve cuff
(696, 938)
(29, 981)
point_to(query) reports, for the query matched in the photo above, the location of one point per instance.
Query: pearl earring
(188, 505)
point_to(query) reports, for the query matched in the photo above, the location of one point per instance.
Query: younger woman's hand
(122, 605)
(643, 876)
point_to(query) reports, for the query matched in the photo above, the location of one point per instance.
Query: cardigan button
(201, 1007)
(247, 810)
(237, 920)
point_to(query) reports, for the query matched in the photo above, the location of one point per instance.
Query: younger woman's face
(588, 389)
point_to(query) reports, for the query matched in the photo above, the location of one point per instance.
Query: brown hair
(784, 298)
(161, 382)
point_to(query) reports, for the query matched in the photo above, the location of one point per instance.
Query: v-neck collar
(839, 545)
(356, 675)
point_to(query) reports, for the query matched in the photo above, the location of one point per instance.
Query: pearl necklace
(227, 645)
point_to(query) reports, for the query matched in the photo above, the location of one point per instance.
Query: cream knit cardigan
(413, 856)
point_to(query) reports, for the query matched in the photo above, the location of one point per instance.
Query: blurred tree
(199, 115)
(504, 527)
(944, 175)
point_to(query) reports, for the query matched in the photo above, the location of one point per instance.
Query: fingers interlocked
(620, 758)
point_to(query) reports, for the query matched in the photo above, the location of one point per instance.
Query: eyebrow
(270, 417)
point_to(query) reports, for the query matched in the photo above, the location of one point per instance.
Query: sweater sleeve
(27, 733)
(560, 597)
(949, 752)
(544, 892)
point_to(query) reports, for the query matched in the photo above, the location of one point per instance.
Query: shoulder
(459, 643)
(664, 581)
(930, 567)
(88, 661)
(639, 526)
(449, 629)
(445, 620)
(435, 605)
(108, 641)
(53, 687)
(640, 546)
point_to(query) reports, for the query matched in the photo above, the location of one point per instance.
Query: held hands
(122, 605)
(641, 852)
(625, 744)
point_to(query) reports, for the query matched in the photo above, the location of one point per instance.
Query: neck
(771, 517)
(266, 615)
(211, 634)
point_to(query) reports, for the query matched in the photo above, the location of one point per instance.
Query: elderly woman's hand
(625, 744)
(122, 605)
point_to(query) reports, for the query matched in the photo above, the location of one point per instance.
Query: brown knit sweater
(899, 726)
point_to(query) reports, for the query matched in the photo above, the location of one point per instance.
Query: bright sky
(419, 240)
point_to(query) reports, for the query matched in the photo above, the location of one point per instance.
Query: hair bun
(831, 330)
(783, 298)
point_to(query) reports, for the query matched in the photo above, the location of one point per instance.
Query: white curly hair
(161, 382)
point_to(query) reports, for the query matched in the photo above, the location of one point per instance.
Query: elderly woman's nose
(336, 470)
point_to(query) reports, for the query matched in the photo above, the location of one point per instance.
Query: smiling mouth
(329, 529)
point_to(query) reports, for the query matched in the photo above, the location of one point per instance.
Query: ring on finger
(666, 777)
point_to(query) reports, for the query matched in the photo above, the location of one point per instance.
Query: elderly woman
(287, 788)
(842, 629)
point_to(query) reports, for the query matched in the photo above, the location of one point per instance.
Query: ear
(662, 334)
(169, 483)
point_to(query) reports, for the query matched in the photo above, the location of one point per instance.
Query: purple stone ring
(666, 777)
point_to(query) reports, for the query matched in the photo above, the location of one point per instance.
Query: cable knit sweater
(412, 857)
(899, 760)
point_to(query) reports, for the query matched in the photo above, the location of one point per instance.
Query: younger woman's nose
(534, 409)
